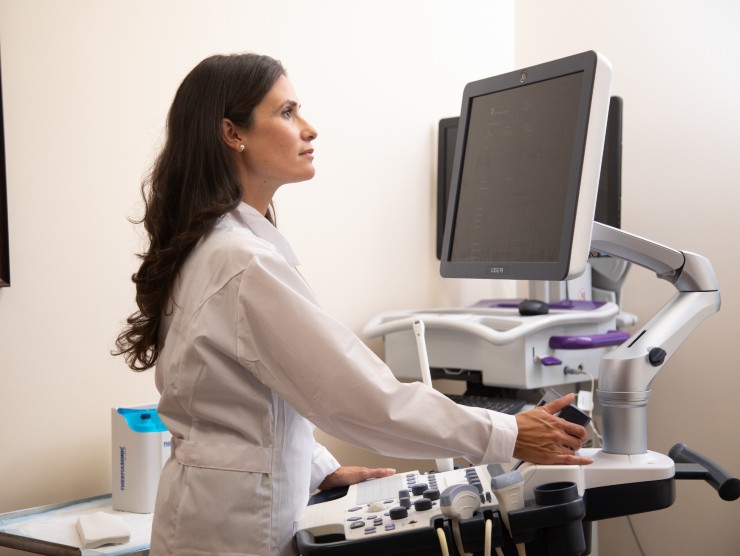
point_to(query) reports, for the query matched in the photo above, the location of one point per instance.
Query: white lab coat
(249, 362)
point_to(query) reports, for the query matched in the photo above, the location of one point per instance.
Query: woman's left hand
(350, 475)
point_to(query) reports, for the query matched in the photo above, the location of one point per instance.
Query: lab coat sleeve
(327, 374)
(323, 464)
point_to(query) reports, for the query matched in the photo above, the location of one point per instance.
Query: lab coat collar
(260, 226)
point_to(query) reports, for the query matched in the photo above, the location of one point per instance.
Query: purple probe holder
(564, 305)
(611, 338)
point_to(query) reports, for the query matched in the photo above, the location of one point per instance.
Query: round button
(398, 513)
(422, 504)
(419, 488)
(432, 494)
(405, 502)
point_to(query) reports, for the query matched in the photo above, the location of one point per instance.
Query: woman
(246, 361)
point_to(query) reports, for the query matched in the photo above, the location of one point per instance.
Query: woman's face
(278, 143)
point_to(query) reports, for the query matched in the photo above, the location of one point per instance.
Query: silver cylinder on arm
(625, 374)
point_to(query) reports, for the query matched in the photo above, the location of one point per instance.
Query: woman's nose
(309, 132)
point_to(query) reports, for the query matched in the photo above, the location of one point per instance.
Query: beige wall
(675, 64)
(86, 87)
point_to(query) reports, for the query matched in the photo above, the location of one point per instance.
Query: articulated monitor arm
(626, 373)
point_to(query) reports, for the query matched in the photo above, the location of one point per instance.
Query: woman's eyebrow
(290, 104)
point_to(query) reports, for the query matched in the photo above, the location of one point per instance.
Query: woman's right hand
(546, 439)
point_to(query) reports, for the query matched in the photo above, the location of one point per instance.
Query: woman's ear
(232, 135)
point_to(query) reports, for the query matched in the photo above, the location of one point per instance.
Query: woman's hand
(546, 439)
(350, 475)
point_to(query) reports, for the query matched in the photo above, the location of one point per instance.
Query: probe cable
(442, 541)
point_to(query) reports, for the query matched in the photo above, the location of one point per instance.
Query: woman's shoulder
(236, 245)
(246, 231)
(221, 257)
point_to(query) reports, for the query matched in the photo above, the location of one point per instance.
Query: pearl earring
(241, 148)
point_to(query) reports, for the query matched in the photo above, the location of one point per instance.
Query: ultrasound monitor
(608, 198)
(526, 172)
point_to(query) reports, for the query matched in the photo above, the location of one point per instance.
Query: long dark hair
(193, 183)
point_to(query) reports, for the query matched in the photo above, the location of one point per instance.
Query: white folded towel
(101, 528)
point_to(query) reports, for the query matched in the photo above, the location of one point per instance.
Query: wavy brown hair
(193, 182)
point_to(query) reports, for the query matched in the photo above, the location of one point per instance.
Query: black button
(398, 513)
(419, 488)
(657, 356)
(423, 504)
(432, 494)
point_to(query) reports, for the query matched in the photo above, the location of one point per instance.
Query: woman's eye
(288, 113)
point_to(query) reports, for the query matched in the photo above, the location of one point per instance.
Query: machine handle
(611, 338)
(721, 480)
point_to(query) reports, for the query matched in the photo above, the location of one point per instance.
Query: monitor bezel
(583, 181)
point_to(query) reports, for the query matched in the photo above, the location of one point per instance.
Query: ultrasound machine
(521, 206)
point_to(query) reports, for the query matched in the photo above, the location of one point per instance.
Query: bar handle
(693, 465)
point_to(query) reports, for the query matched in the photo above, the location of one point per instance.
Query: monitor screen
(609, 196)
(526, 170)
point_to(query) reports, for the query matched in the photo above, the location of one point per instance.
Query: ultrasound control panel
(404, 515)
(402, 502)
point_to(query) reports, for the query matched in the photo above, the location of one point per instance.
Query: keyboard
(502, 405)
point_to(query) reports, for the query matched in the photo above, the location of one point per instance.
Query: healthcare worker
(247, 362)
